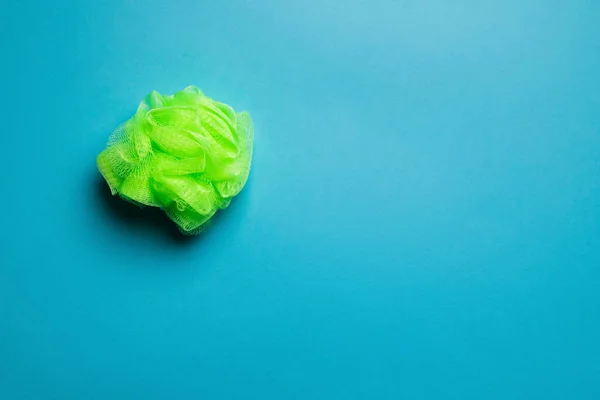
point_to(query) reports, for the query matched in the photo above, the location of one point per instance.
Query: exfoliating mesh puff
(186, 153)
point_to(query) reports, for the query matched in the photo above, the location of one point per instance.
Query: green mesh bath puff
(186, 153)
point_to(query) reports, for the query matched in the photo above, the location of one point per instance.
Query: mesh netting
(186, 153)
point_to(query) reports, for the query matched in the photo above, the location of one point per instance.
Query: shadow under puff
(134, 218)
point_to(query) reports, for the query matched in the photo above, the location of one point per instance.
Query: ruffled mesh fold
(185, 153)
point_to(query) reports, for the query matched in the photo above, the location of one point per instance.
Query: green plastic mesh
(186, 153)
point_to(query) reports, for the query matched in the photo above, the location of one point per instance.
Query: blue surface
(422, 220)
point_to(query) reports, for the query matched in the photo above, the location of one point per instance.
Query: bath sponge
(186, 154)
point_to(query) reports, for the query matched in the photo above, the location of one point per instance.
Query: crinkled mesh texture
(186, 153)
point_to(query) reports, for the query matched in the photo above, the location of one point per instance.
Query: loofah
(186, 153)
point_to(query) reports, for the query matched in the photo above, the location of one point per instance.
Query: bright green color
(186, 153)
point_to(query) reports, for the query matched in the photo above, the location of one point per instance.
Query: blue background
(422, 220)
